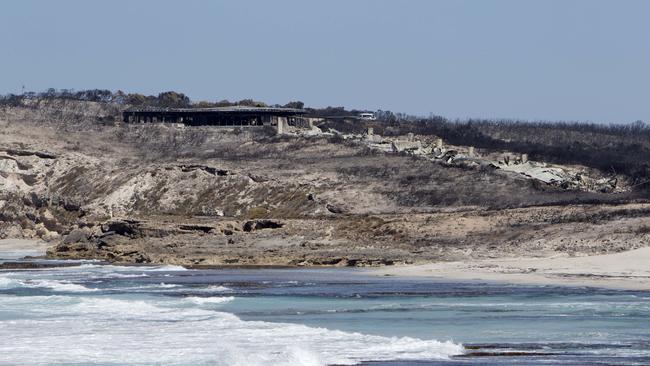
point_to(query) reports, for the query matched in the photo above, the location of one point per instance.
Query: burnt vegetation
(168, 99)
(613, 149)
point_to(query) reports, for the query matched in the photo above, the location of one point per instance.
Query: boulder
(76, 236)
(261, 224)
(122, 227)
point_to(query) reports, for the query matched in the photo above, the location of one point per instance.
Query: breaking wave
(209, 300)
(167, 268)
(214, 288)
(6, 283)
(59, 286)
(167, 331)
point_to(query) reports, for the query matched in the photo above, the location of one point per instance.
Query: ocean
(88, 313)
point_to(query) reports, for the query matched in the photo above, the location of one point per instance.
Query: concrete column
(370, 131)
(409, 136)
(439, 143)
(524, 158)
(282, 125)
(470, 152)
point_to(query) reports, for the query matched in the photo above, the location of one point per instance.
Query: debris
(569, 178)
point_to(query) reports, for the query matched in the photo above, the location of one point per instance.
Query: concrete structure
(282, 125)
(405, 145)
(439, 143)
(235, 116)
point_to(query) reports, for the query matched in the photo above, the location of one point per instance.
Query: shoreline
(20, 248)
(628, 270)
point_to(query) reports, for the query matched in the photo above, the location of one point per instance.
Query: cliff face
(209, 196)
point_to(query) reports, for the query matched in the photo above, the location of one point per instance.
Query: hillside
(94, 188)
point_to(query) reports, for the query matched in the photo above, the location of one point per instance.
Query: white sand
(627, 270)
(19, 248)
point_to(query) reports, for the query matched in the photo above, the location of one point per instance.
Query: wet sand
(19, 248)
(626, 271)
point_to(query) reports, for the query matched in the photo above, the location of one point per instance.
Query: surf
(167, 331)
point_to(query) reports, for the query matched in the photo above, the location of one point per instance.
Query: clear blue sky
(584, 60)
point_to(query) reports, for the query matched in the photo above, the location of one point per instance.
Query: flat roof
(231, 109)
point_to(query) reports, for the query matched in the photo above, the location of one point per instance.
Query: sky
(573, 60)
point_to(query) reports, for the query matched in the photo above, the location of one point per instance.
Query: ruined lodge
(235, 116)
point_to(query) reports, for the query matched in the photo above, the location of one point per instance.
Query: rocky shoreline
(377, 240)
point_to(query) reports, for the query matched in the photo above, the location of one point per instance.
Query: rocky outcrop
(364, 241)
(44, 194)
(261, 224)
(207, 169)
(38, 154)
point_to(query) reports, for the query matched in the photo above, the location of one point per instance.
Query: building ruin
(235, 116)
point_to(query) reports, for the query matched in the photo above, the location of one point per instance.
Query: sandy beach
(627, 270)
(18, 248)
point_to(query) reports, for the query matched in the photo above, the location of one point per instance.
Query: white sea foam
(138, 328)
(112, 270)
(166, 285)
(166, 331)
(126, 275)
(62, 286)
(150, 287)
(167, 268)
(215, 288)
(6, 282)
(209, 300)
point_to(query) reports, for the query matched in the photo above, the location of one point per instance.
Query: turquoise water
(89, 313)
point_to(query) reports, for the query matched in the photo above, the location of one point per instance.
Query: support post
(439, 143)
(282, 125)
